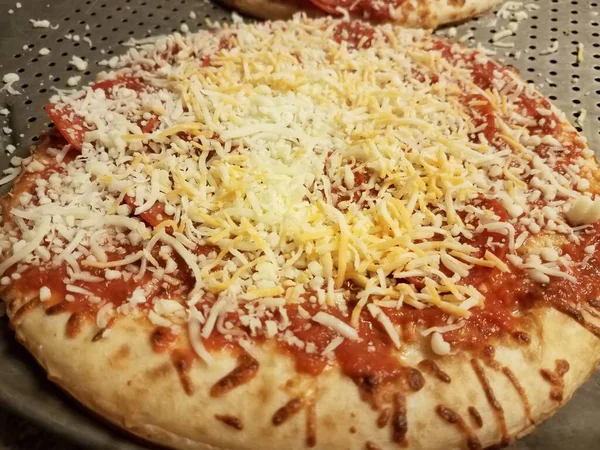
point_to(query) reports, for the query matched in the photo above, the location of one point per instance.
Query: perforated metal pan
(571, 84)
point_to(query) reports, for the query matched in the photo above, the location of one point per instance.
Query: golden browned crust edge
(121, 379)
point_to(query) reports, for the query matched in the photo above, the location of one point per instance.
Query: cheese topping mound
(306, 162)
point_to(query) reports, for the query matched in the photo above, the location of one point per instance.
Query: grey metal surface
(570, 84)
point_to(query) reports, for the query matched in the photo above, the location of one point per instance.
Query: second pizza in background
(412, 13)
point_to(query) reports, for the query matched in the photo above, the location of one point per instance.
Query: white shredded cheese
(341, 327)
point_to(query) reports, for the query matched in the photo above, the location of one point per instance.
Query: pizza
(411, 13)
(308, 233)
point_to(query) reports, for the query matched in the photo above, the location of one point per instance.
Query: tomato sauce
(71, 125)
(115, 291)
(372, 357)
(310, 333)
(534, 106)
(373, 354)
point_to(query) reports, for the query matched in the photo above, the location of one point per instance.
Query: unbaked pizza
(308, 233)
(412, 13)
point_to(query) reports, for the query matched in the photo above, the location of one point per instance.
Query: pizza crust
(412, 13)
(123, 380)
(273, 9)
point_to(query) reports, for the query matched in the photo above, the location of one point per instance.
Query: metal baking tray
(95, 30)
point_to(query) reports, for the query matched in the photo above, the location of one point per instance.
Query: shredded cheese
(336, 324)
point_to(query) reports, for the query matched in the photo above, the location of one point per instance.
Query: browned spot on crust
(494, 364)
(232, 421)
(415, 379)
(477, 420)
(572, 312)
(183, 365)
(75, 323)
(521, 337)
(399, 420)
(492, 400)
(515, 382)
(264, 394)
(577, 315)
(57, 309)
(352, 430)
(592, 329)
(159, 372)
(557, 383)
(368, 387)
(116, 359)
(592, 312)
(595, 303)
(371, 446)
(245, 370)
(162, 338)
(562, 367)
(453, 418)
(23, 310)
(311, 423)
(98, 335)
(430, 366)
(384, 417)
(288, 410)
(378, 393)
(425, 16)
(489, 352)
(330, 423)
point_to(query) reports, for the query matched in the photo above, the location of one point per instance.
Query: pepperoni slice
(135, 84)
(418, 282)
(496, 207)
(151, 124)
(154, 216)
(68, 123)
(27, 180)
(73, 127)
(355, 34)
(224, 44)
